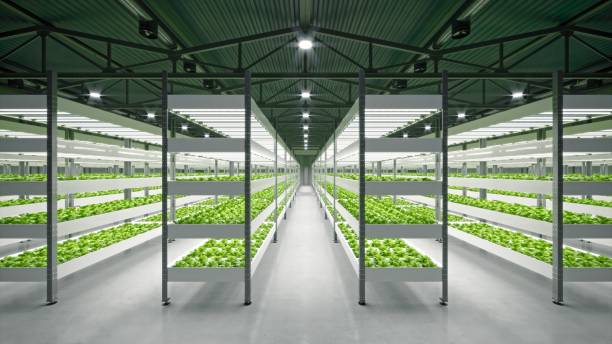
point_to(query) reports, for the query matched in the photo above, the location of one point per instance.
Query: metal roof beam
(592, 32)
(373, 40)
(270, 53)
(233, 41)
(18, 32)
(341, 54)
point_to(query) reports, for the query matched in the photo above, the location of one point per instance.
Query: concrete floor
(305, 292)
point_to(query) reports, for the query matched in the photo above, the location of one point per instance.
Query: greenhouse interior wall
(306, 171)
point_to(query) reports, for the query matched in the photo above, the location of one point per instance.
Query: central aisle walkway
(304, 292)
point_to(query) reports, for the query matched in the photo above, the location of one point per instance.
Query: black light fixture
(148, 28)
(399, 84)
(420, 66)
(189, 67)
(208, 84)
(15, 83)
(461, 29)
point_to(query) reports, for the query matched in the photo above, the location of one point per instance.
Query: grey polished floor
(305, 292)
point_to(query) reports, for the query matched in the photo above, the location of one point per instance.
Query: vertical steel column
(127, 169)
(438, 177)
(444, 125)
(164, 172)
(335, 193)
(394, 177)
(464, 172)
(247, 187)
(482, 167)
(69, 171)
(23, 171)
(541, 172)
(147, 171)
(216, 175)
(276, 184)
(172, 174)
(557, 192)
(324, 183)
(362, 276)
(587, 170)
(51, 187)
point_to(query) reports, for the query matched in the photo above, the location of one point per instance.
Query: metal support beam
(557, 192)
(276, 183)
(362, 219)
(247, 187)
(164, 171)
(444, 125)
(51, 272)
(482, 170)
(335, 167)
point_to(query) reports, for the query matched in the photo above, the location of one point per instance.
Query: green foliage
(73, 248)
(532, 247)
(74, 213)
(224, 253)
(383, 253)
(535, 213)
(374, 178)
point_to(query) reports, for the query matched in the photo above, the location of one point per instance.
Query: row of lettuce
(384, 211)
(225, 210)
(409, 178)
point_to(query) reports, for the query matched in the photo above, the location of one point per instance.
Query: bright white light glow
(461, 115)
(305, 126)
(305, 94)
(428, 127)
(150, 115)
(95, 95)
(517, 95)
(305, 115)
(305, 136)
(305, 44)
(184, 127)
(405, 135)
(207, 135)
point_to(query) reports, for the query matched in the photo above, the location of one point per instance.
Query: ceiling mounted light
(94, 95)
(461, 115)
(189, 67)
(399, 84)
(420, 67)
(305, 136)
(518, 95)
(208, 84)
(184, 127)
(305, 115)
(305, 44)
(305, 126)
(405, 135)
(461, 29)
(427, 127)
(150, 115)
(207, 135)
(305, 95)
(148, 28)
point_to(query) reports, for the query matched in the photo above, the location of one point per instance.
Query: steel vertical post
(127, 169)
(216, 175)
(444, 125)
(335, 193)
(362, 276)
(276, 184)
(482, 166)
(247, 187)
(51, 187)
(324, 182)
(394, 177)
(164, 172)
(557, 191)
(286, 171)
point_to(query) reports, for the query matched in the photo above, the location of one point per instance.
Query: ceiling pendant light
(305, 44)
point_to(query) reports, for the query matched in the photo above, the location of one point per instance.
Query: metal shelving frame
(389, 148)
(215, 146)
(560, 148)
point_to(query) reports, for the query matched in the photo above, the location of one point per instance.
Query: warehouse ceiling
(349, 35)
